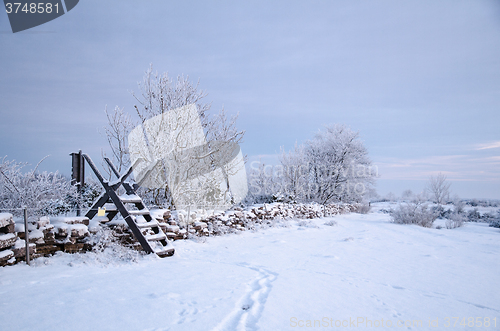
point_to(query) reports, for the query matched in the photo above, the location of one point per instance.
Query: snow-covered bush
(41, 192)
(364, 208)
(108, 248)
(457, 217)
(415, 212)
(330, 223)
(459, 205)
(473, 216)
(439, 211)
(54, 207)
(495, 223)
(483, 203)
(307, 224)
(44, 193)
(407, 195)
(455, 220)
(488, 217)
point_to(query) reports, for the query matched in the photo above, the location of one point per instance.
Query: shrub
(439, 211)
(474, 216)
(415, 212)
(459, 205)
(488, 217)
(495, 223)
(41, 192)
(455, 220)
(364, 208)
(307, 224)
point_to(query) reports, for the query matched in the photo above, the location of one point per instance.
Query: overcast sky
(420, 80)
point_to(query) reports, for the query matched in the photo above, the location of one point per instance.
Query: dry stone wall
(12, 246)
(46, 236)
(180, 225)
(73, 234)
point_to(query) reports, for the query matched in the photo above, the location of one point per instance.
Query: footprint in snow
(248, 309)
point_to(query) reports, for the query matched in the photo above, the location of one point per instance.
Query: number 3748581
(32, 8)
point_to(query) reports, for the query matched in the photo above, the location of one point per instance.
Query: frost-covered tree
(339, 166)
(407, 195)
(332, 167)
(294, 175)
(42, 192)
(117, 130)
(160, 94)
(438, 188)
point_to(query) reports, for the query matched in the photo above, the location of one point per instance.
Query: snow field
(362, 268)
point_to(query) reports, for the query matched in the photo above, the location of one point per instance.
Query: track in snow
(249, 307)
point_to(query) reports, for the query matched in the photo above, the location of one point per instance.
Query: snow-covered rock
(79, 230)
(7, 240)
(19, 248)
(6, 220)
(42, 222)
(36, 236)
(7, 257)
(70, 220)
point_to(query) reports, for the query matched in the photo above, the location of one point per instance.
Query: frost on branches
(332, 167)
(44, 193)
(160, 94)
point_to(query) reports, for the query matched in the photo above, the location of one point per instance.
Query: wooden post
(26, 235)
(78, 175)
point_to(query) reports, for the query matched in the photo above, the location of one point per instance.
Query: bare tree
(439, 188)
(407, 195)
(295, 174)
(117, 130)
(159, 95)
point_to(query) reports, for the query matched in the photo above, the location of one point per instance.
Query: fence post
(26, 235)
(78, 176)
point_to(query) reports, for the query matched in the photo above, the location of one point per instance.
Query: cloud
(456, 167)
(495, 144)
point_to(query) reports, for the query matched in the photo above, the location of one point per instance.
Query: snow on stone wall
(71, 234)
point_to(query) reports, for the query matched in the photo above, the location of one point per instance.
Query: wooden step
(149, 224)
(168, 250)
(110, 207)
(155, 237)
(139, 212)
(113, 203)
(126, 198)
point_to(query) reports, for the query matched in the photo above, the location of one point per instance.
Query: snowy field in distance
(363, 270)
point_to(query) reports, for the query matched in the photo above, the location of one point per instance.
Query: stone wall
(178, 225)
(73, 234)
(12, 247)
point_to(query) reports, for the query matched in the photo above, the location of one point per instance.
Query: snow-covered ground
(364, 272)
